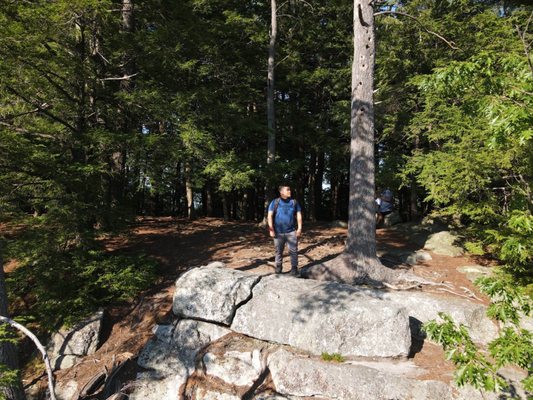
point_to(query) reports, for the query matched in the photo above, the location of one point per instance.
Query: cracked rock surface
(212, 293)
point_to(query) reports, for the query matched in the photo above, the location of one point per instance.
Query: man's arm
(270, 221)
(299, 219)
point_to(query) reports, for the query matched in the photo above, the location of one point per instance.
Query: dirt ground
(179, 244)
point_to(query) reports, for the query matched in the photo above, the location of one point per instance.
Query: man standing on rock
(284, 214)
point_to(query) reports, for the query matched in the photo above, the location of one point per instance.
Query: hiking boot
(278, 269)
(295, 272)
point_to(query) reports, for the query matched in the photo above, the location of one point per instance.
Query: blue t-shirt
(285, 218)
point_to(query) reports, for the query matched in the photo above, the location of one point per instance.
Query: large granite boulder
(298, 375)
(212, 293)
(444, 243)
(278, 325)
(169, 358)
(68, 345)
(324, 317)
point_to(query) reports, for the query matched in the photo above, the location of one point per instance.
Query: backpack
(387, 196)
(276, 204)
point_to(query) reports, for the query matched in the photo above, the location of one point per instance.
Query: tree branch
(119, 78)
(11, 116)
(448, 42)
(18, 129)
(42, 108)
(45, 75)
(522, 36)
(28, 333)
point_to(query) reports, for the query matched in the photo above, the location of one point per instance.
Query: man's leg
(379, 219)
(279, 245)
(292, 241)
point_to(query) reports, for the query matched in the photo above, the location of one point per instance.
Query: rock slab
(422, 307)
(302, 376)
(311, 316)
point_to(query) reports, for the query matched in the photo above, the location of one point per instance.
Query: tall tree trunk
(8, 351)
(359, 263)
(271, 115)
(361, 220)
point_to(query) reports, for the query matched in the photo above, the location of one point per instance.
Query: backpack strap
(276, 204)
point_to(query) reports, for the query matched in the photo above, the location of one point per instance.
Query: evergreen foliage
(101, 122)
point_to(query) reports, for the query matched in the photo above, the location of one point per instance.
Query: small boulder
(391, 219)
(66, 390)
(444, 243)
(235, 367)
(68, 345)
(473, 272)
(149, 387)
(422, 307)
(339, 224)
(417, 257)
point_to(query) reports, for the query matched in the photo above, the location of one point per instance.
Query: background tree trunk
(188, 191)
(319, 177)
(8, 351)
(271, 115)
(311, 202)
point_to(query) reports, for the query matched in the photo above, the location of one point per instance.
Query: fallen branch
(41, 348)
(458, 294)
(470, 293)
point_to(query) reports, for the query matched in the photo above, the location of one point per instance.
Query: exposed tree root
(347, 268)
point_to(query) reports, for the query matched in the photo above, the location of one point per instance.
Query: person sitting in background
(384, 206)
